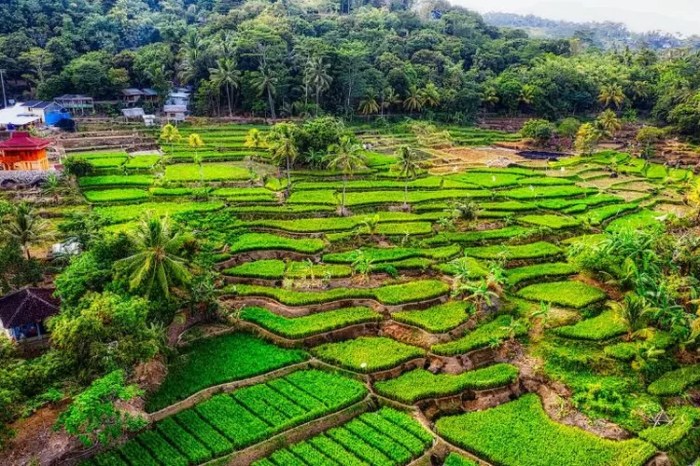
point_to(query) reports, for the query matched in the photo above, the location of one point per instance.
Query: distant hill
(605, 35)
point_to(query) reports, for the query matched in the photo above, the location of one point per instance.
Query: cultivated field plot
(365, 319)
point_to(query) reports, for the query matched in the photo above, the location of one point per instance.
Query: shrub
(520, 432)
(367, 354)
(569, 293)
(313, 324)
(454, 459)
(541, 131)
(420, 384)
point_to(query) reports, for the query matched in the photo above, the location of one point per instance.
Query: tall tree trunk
(26, 250)
(342, 201)
(405, 196)
(318, 96)
(289, 175)
(228, 98)
(271, 102)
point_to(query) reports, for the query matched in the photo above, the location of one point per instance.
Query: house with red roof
(24, 152)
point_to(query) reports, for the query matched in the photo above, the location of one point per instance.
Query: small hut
(24, 152)
(23, 313)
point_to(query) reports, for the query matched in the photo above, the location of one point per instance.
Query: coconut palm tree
(609, 123)
(408, 168)
(25, 227)
(156, 264)
(390, 98)
(265, 83)
(195, 142)
(430, 95)
(611, 94)
(413, 101)
(316, 74)
(347, 157)
(227, 76)
(52, 187)
(368, 106)
(283, 147)
(171, 135)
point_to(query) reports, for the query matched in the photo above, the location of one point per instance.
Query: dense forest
(605, 35)
(300, 58)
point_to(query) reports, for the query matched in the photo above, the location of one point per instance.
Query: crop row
(419, 290)
(301, 327)
(230, 422)
(277, 269)
(367, 354)
(383, 438)
(420, 384)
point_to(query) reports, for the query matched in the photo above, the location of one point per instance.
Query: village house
(24, 152)
(76, 102)
(23, 314)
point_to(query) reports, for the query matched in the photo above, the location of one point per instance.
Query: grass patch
(115, 180)
(521, 433)
(536, 250)
(367, 354)
(277, 269)
(556, 222)
(216, 360)
(437, 319)
(267, 242)
(569, 293)
(488, 334)
(675, 382)
(420, 384)
(209, 172)
(605, 326)
(115, 195)
(540, 271)
(301, 327)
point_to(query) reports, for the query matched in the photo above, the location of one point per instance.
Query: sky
(675, 16)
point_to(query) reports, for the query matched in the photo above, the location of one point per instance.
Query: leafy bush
(313, 324)
(520, 432)
(541, 131)
(217, 360)
(606, 325)
(569, 293)
(453, 459)
(437, 319)
(420, 384)
(367, 354)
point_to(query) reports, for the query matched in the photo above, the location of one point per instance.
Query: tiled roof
(26, 306)
(22, 140)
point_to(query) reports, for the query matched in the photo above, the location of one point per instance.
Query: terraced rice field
(362, 339)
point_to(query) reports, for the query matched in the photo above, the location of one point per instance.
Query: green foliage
(554, 222)
(602, 327)
(570, 293)
(367, 354)
(488, 334)
(85, 334)
(541, 131)
(208, 172)
(675, 382)
(521, 432)
(420, 384)
(539, 271)
(216, 360)
(301, 327)
(420, 290)
(386, 437)
(437, 319)
(93, 416)
(116, 195)
(266, 241)
(536, 250)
